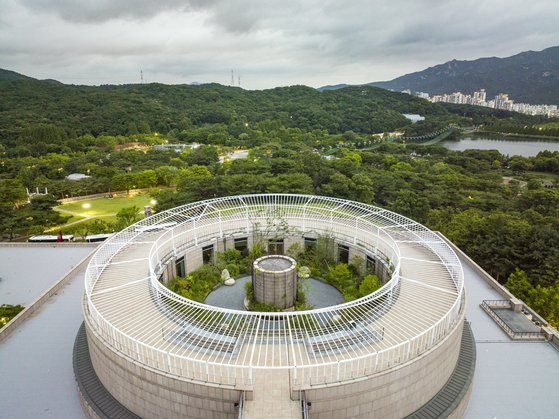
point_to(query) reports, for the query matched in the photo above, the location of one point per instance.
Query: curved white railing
(321, 346)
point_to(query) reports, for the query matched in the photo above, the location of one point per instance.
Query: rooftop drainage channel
(92, 390)
(449, 397)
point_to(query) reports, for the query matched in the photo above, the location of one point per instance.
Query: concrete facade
(385, 354)
(193, 258)
(411, 384)
(391, 394)
(149, 393)
(277, 287)
(395, 393)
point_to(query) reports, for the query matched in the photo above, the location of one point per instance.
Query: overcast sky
(267, 43)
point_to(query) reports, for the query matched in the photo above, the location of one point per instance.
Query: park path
(77, 214)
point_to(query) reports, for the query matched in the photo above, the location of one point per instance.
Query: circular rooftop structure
(412, 325)
(274, 281)
(275, 264)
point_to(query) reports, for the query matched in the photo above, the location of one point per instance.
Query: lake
(511, 146)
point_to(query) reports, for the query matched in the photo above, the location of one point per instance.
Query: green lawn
(79, 214)
(83, 224)
(72, 218)
(104, 206)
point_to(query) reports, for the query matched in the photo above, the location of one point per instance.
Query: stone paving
(272, 397)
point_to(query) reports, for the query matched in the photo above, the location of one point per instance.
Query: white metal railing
(190, 225)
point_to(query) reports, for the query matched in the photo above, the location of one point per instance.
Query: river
(505, 145)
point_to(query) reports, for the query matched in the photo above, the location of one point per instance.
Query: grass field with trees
(301, 141)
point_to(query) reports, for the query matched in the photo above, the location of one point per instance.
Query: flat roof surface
(36, 359)
(513, 379)
(26, 271)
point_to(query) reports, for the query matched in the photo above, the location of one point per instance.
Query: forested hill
(117, 110)
(531, 77)
(12, 75)
(110, 109)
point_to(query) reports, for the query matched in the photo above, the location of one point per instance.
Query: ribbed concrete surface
(457, 387)
(91, 389)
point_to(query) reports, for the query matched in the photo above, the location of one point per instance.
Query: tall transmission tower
(142, 76)
(239, 79)
(232, 78)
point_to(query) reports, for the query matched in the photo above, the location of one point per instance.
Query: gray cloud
(103, 10)
(267, 42)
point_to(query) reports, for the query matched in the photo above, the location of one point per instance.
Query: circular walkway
(319, 295)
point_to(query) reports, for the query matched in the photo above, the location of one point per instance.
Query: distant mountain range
(530, 77)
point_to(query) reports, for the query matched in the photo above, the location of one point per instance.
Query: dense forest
(170, 109)
(495, 207)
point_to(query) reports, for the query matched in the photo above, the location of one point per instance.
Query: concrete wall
(392, 394)
(193, 259)
(356, 251)
(152, 394)
(277, 288)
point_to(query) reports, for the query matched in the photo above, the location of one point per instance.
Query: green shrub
(234, 270)
(8, 312)
(231, 256)
(369, 284)
(256, 306)
(340, 276)
(233, 261)
(256, 252)
(249, 290)
(350, 293)
(197, 285)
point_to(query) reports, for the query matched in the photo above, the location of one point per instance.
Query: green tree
(145, 179)
(362, 188)
(126, 216)
(12, 192)
(519, 284)
(166, 175)
(132, 128)
(122, 182)
(291, 183)
(203, 156)
(144, 128)
(411, 204)
(338, 186)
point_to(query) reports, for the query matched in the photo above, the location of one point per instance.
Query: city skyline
(500, 101)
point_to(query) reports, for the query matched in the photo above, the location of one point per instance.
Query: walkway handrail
(190, 225)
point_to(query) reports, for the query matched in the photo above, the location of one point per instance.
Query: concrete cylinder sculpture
(274, 281)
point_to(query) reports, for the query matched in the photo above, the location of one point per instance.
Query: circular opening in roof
(274, 263)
